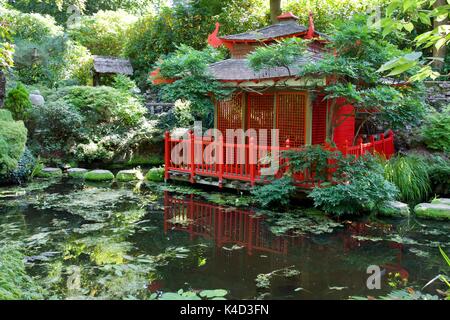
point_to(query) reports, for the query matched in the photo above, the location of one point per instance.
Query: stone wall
(438, 93)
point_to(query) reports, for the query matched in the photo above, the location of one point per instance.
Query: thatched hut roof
(104, 64)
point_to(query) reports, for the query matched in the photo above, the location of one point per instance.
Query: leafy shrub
(18, 102)
(54, 127)
(104, 33)
(277, 192)
(104, 104)
(32, 27)
(439, 173)
(410, 175)
(13, 137)
(23, 171)
(436, 131)
(123, 83)
(366, 189)
(15, 284)
(91, 124)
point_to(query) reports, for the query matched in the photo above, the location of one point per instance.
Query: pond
(130, 241)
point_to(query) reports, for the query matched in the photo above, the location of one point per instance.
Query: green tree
(188, 23)
(104, 33)
(352, 74)
(407, 16)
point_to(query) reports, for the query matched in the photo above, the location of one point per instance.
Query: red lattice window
(260, 114)
(291, 115)
(319, 120)
(229, 113)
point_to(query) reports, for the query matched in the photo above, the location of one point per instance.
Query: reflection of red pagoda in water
(226, 226)
(231, 226)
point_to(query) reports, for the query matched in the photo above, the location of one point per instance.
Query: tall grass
(410, 174)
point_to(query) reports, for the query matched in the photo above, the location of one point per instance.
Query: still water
(137, 242)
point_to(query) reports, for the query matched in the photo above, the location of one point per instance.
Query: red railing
(201, 156)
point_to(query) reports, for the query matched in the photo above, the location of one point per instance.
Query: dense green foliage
(91, 124)
(188, 67)
(410, 175)
(104, 33)
(155, 175)
(13, 137)
(326, 12)
(43, 54)
(360, 52)
(276, 192)
(6, 48)
(188, 23)
(439, 173)
(436, 131)
(15, 283)
(18, 102)
(366, 190)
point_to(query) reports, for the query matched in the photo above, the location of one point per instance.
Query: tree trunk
(439, 64)
(275, 10)
(2, 88)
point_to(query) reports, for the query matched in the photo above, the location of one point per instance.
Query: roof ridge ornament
(213, 40)
(311, 32)
(287, 16)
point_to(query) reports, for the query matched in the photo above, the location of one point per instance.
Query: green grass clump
(410, 174)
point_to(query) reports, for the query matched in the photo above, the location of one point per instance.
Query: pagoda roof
(274, 31)
(239, 69)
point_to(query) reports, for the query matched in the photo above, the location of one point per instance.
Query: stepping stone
(50, 173)
(441, 201)
(129, 175)
(432, 211)
(77, 173)
(155, 175)
(395, 209)
(99, 175)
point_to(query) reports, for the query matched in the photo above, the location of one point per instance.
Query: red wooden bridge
(222, 168)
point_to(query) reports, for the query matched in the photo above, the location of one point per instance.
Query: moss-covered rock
(99, 175)
(155, 175)
(129, 175)
(395, 209)
(433, 211)
(441, 201)
(77, 173)
(50, 173)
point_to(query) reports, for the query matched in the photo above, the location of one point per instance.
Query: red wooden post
(288, 146)
(192, 155)
(166, 155)
(361, 148)
(345, 148)
(253, 160)
(372, 143)
(221, 160)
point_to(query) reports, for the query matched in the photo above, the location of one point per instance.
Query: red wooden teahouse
(273, 98)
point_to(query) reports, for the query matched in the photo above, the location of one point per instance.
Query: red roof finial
(287, 16)
(311, 30)
(213, 39)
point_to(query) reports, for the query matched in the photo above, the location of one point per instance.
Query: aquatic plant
(217, 294)
(263, 280)
(277, 192)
